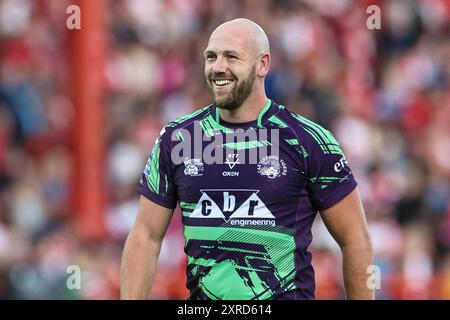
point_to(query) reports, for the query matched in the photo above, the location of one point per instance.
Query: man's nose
(220, 65)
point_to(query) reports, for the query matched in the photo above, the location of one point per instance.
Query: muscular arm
(347, 224)
(142, 249)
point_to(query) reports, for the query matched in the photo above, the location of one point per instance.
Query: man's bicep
(346, 220)
(152, 219)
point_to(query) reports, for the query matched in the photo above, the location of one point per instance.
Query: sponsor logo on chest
(232, 204)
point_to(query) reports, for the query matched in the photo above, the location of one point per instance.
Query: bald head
(247, 31)
(237, 59)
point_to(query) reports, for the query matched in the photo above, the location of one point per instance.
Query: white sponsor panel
(252, 208)
(254, 205)
(211, 208)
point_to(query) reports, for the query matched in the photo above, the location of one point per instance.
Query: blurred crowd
(383, 93)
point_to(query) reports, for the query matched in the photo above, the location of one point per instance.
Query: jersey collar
(266, 112)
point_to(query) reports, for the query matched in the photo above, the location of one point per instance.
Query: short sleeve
(157, 180)
(329, 177)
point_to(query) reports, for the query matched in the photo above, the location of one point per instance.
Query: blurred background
(80, 110)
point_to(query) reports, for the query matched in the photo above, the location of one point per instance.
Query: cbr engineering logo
(239, 206)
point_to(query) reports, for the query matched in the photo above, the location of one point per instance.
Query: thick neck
(257, 121)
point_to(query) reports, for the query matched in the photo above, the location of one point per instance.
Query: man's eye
(210, 57)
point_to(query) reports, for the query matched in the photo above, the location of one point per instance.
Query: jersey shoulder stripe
(156, 181)
(302, 126)
(189, 118)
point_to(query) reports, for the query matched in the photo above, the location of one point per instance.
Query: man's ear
(263, 65)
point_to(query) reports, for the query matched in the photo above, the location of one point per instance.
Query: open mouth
(222, 82)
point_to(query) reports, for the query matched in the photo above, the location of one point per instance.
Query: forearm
(356, 260)
(138, 266)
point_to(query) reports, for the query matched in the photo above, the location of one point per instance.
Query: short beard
(238, 95)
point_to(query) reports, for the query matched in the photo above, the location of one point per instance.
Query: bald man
(247, 219)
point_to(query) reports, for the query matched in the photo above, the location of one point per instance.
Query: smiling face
(230, 65)
(228, 90)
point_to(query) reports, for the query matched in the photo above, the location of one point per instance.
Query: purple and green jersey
(247, 224)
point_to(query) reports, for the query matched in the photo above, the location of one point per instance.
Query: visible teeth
(222, 82)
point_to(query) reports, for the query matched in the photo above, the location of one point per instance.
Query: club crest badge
(272, 167)
(193, 167)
